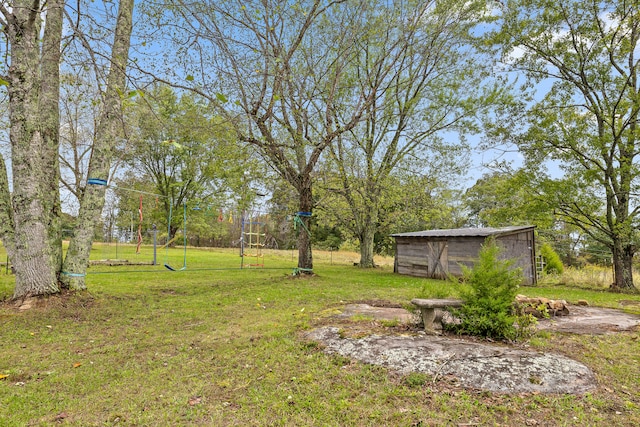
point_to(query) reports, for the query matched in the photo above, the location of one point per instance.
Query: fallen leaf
(77, 365)
(61, 416)
(195, 401)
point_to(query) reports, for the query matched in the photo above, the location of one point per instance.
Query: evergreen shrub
(488, 308)
(553, 263)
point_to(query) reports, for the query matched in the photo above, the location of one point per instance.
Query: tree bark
(50, 118)
(7, 235)
(107, 132)
(623, 267)
(33, 113)
(305, 256)
(367, 245)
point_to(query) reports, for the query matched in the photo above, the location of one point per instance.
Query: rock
(593, 320)
(475, 365)
(533, 311)
(542, 307)
(558, 308)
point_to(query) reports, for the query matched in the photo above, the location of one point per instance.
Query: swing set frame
(184, 238)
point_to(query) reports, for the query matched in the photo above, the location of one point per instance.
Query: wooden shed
(437, 254)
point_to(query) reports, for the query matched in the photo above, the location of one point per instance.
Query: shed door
(437, 260)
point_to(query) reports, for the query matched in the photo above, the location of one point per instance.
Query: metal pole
(242, 240)
(155, 235)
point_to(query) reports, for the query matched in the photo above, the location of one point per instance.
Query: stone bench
(428, 309)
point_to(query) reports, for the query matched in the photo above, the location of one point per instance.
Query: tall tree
(410, 199)
(506, 198)
(108, 131)
(585, 52)
(420, 202)
(185, 153)
(277, 71)
(30, 214)
(437, 85)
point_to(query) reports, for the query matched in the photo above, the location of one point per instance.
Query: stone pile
(542, 307)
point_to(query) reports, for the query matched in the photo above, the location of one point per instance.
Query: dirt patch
(65, 298)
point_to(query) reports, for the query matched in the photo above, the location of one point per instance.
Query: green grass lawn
(215, 345)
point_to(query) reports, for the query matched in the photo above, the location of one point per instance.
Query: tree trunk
(50, 122)
(368, 225)
(107, 132)
(7, 236)
(623, 267)
(33, 113)
(366, 245)
(305, 257)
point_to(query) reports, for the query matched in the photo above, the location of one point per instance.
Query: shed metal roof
(467, 232)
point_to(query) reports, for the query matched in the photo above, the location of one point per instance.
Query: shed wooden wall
(418, 256)
(411, 257)
(521, 247)
(463, 250)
